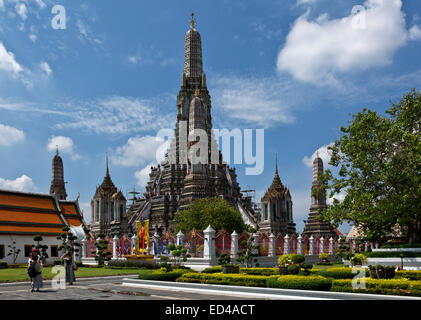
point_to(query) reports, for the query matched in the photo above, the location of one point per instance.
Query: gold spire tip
(196, 92)
(192, 22)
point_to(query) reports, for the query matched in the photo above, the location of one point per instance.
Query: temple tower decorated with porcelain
(58, 187)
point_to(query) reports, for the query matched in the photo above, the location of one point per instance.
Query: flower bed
(411, 275)
(374, 286)
(227, 279)
(161, 275)
(300, 282)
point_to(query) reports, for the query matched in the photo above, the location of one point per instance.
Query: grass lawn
(20, 274)
(323, 267)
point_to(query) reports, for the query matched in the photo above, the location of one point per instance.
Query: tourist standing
(35, 272)
(70, 265)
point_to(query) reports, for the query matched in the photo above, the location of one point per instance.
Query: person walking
(35, 272)
(70, 265)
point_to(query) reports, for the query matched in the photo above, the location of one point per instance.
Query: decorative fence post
(272, 249)
(331, 250)
(300, 245)
(366, 246)
(311, 249)
(286, 244)
(209, 245)
(115, 239)
(83, 247)
(133, 243)
(180, 238)
(234, 244)
(322, 245)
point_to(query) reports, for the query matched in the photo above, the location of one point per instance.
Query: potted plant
(283, 262)
(227, 267)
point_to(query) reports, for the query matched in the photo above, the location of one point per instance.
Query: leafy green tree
(379, 167)
(68, 243)
(248, 254)
(101, 254)
(13, 251)
(209, 211)
(42, 249)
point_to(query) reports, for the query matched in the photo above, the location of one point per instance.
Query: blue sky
(108, 82)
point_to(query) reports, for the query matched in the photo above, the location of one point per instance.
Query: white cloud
(324, 154)
(64, 145)
(134, 59)
(33, 37)
(23, 183)
(9, 135)
(8, 62)
(2, 5)
(86, 208)
(139, 150)
(40, 3)
(256, 101)
(119, 115)
(142, 175)
(45, 68)
(318, 51)
(305, 2)
(21, 10)
(415, 33)
(86, 34)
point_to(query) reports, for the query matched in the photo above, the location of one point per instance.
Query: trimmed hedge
(300, 282)
(335, 273)
(401, 245)
(391, 254)
(227, 279)
(133, 264)
(215, 269)
(3, 265)
(408, 274)
(260, 271)
(161, 275)
(390, 287)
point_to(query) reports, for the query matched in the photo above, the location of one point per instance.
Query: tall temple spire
(107, 172)
(276, 171)
(58, 187)
(193, 52)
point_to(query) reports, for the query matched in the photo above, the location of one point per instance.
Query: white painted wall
(21, 241)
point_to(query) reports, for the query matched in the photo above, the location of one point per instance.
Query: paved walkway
(105, 288)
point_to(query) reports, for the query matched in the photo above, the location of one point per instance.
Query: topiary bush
(260, 271)
(162, 275)
(3, 265)
(382, 272)
(225, 279)
(300, 282)
(293, 269)
(141, 264)
(335, 273)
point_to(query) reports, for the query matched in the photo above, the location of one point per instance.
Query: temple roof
(32, 213)
(277, 189)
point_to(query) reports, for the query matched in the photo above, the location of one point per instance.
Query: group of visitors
(35, 265)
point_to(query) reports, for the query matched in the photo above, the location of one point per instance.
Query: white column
(83, 247)
(331, 247)
(272, 248)
(311, 249)
(115, 239)
(133, 243)
(300, 245)
(286, 244)
(234, 244)
(366, 246)
(209, 246)
(322, 245)
(180, 238)
(255, 242)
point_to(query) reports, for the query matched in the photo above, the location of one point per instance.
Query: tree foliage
(209, 211)
(379, 167)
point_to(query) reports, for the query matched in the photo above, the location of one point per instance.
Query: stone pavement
(106, 288)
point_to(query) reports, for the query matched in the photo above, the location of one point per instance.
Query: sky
(105, 79)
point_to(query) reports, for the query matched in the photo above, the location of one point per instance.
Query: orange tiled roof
(29, 213)
(68, 208)
(71, 213)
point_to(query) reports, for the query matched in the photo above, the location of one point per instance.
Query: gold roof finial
(192, 22)
(197, 91)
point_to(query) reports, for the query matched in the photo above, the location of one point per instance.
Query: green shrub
(389, 254)
(162, 275)
(58, 262)
(408, 274)
(300, 282)
(298, 258)
(225, 279)
(3, 265)
(358, 259)
(260, 271)
(401, 245)
(285, 260)
(374, 286)
(335, 273)
(141, 264)
(382, 272)
(293, 269)
(215, 269)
